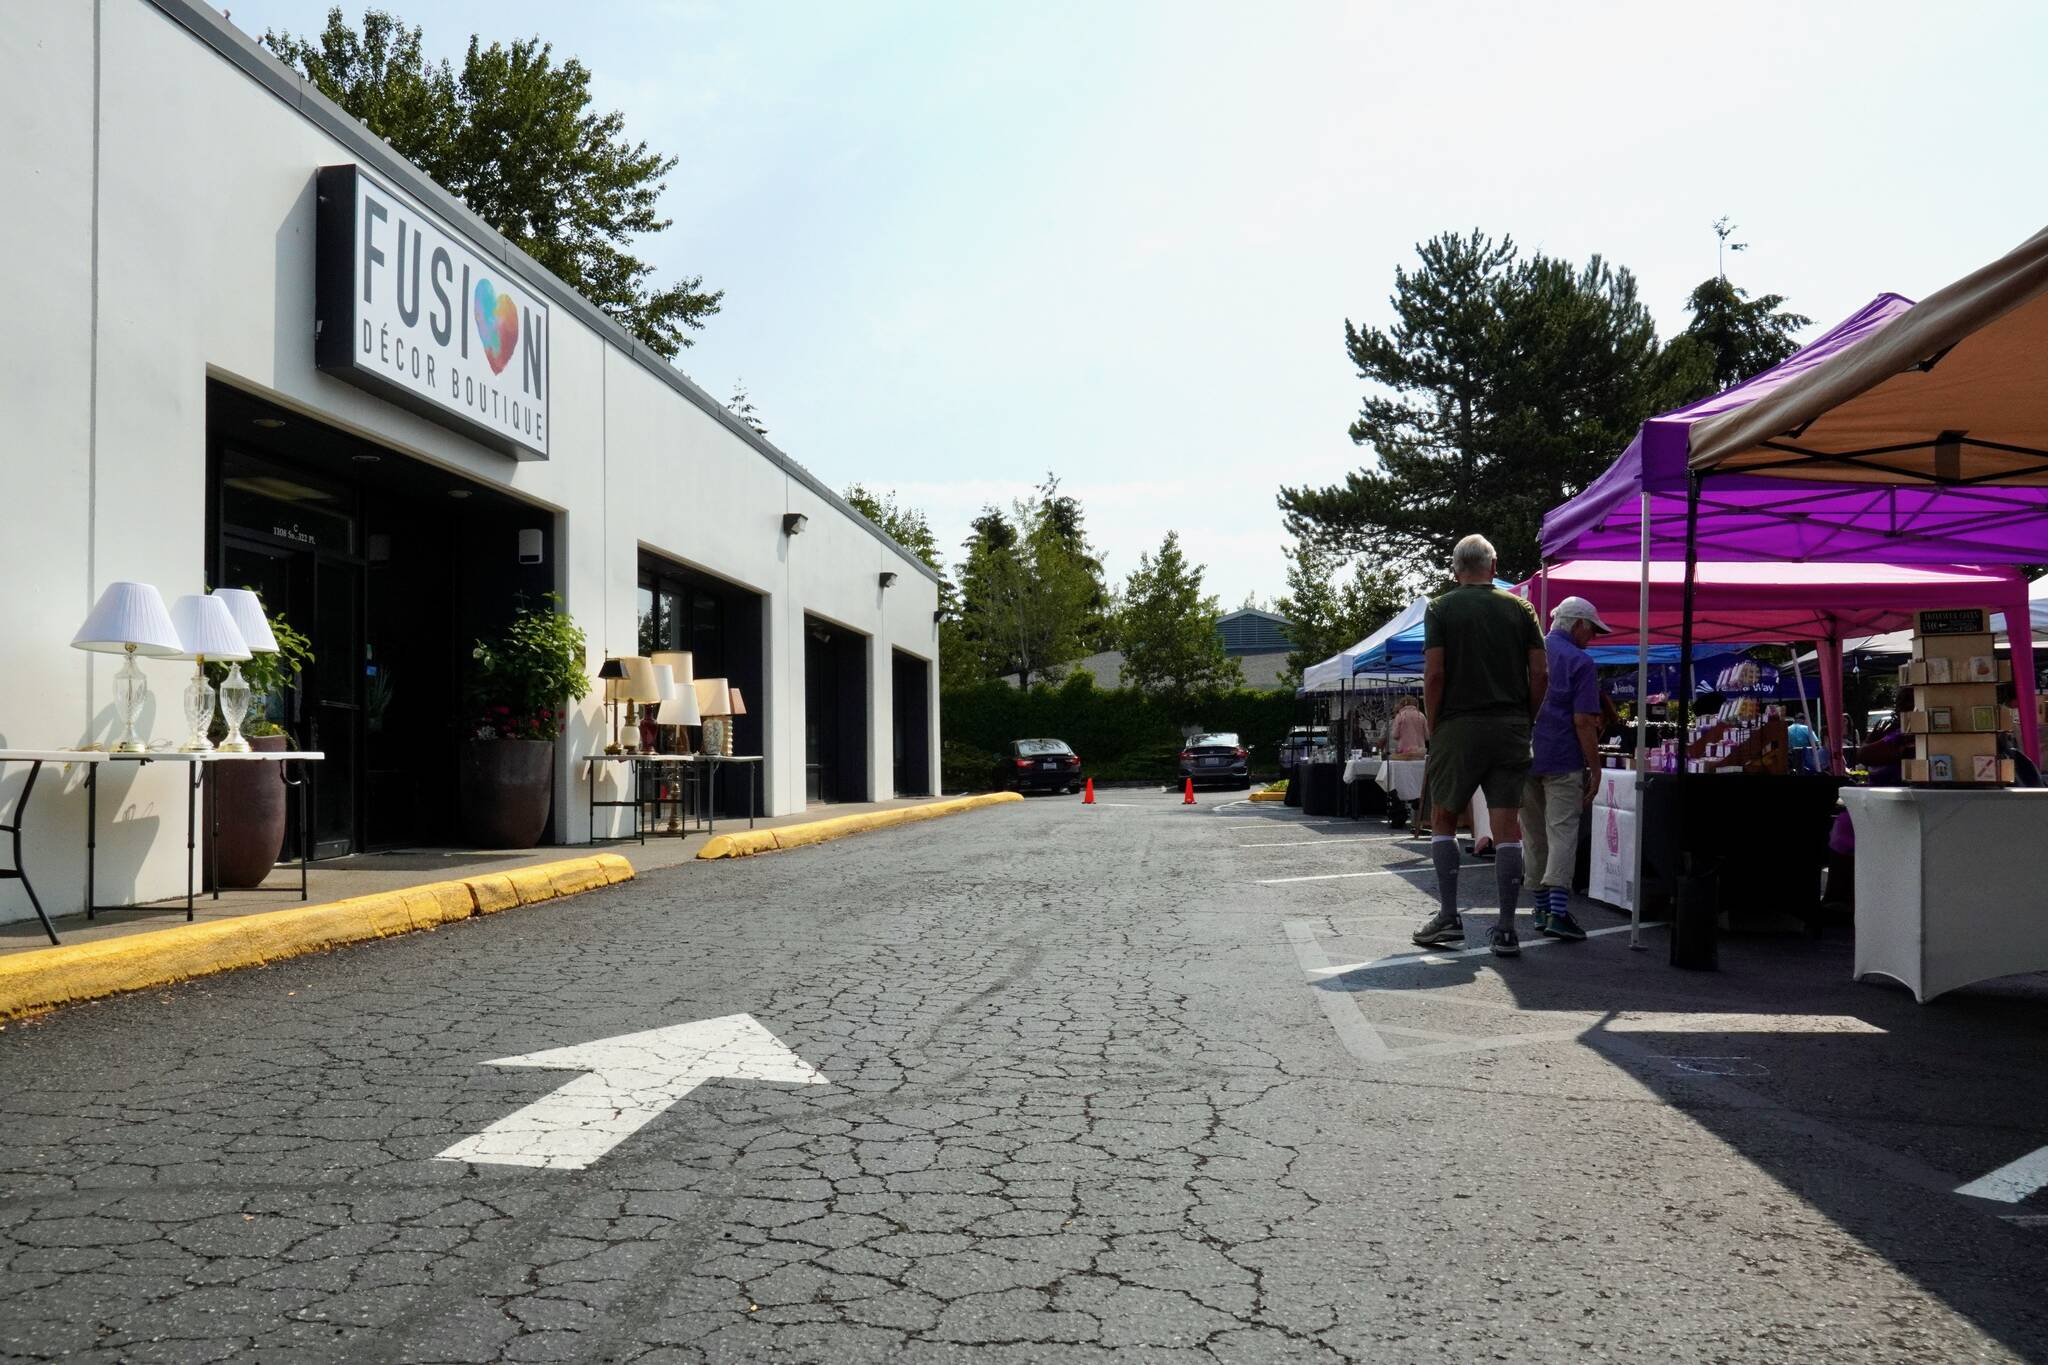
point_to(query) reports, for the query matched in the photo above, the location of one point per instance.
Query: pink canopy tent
(1826, 603)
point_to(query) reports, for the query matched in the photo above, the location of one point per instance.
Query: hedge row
(1121, 735)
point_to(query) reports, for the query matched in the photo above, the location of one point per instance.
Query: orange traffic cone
(1088, 795)
(1187, 794)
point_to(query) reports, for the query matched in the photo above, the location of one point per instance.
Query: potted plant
(519, 685)
(249, 807)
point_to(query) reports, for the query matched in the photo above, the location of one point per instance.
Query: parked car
(1040, 765)
(1303, 741)
(1217, 758)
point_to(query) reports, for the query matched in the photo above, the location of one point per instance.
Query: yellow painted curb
(748, 842)
(1268, 796)
(33, 982)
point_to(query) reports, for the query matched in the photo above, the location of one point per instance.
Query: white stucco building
(170, 253)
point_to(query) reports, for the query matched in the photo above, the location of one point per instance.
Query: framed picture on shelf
(1983, 719)
(1938, 671)
(1939, 719)
(1983, 668)
(1984, 768)
(1941, 768)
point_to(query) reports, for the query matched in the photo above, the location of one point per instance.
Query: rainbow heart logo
(497, 325)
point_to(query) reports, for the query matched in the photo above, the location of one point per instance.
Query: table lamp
(613, 676)
(680, 706)
(247, 610)
(129, 619)
(639, 689)
(739, 708)
(205, 631)
(714, 704)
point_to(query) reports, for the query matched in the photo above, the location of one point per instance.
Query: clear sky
(963, 244)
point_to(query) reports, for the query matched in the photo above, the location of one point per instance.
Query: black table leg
(20, 872)
(590, 803)
(285, 776)
(191, 835)
(711, 799)
(213, 845)
(753, 771)
(92, 825)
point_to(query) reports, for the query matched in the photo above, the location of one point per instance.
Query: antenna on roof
(1723, 230)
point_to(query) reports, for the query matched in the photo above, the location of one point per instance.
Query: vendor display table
(1401, 778)
(1768, 835)
(699, 770)
(1322, 788)
(1948, 885)
(36, 758)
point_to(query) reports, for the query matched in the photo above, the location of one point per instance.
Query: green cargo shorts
(1478, 753)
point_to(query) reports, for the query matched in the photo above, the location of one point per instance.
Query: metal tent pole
(1693, 929)
(1642, 763)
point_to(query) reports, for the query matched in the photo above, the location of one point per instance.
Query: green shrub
(1121, 734)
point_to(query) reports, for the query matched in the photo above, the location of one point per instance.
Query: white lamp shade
(247, 609)
(664, 681)
(206, 630)
(739, 703)
(682, 662)
(640, 682)
(129, 614)
(713, 696)
(679, 708)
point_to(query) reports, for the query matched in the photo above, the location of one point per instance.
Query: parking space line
(1334, 839)
(1335, 876)
(1403, 959)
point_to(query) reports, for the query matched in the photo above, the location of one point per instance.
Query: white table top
(54, 756)
(670, 758)
(216, 756)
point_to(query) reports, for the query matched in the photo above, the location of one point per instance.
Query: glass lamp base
(198, 713)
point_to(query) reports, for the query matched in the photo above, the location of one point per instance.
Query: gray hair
(1474, 554)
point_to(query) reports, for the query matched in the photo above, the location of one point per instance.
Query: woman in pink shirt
(1408, 736)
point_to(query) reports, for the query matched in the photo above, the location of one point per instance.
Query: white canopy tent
(1334, 673)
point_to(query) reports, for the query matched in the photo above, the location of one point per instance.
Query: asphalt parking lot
(1045, 1083)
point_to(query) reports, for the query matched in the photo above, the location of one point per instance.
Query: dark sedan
(1040, 765)
(1217, 758)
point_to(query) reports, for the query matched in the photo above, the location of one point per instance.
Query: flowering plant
(521, 680)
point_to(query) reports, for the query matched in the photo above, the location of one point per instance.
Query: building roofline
(261, 65)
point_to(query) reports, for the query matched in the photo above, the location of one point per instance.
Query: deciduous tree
(1166, 627)
(513, 136)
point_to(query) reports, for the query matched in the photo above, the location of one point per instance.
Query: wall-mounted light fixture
(530, 545)
(939, 616)
(888, 579)
(793, 523)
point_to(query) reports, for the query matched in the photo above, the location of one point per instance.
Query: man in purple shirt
(1564, 770)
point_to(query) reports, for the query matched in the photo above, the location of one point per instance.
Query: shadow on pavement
(1869, 1107)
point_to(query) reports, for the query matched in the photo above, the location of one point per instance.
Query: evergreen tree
(514, 138)
(1166, 628)
(1731, 337)
(1503, 386)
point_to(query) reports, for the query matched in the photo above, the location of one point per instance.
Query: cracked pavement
(1095, 1091)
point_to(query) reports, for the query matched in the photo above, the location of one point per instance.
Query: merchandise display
(1956, 719)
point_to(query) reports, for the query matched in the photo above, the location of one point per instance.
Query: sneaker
(1541, 914)
(1563, 926)
(1503, 941)
(1443, 927)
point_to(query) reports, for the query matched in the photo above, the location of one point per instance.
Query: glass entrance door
(321, 595)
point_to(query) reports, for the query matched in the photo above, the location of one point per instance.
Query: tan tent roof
(1955, 391)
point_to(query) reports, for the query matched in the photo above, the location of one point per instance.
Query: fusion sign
(408, 310)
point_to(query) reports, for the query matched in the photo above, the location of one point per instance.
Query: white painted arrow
(632, 1080)
(2013, 1181)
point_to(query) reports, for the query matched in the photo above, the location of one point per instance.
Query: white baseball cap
(1578, 609)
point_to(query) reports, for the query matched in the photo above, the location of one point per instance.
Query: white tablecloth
(1402, 777)
(1948, 885)
(1361, 769)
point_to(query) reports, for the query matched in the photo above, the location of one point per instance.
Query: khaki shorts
(1478, 753)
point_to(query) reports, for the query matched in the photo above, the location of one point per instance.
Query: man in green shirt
(1484, 673)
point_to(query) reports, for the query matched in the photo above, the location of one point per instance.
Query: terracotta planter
(249, 802)
(507, 791)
